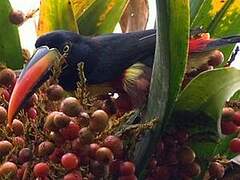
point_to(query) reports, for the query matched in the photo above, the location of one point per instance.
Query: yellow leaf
(217, 5)
(101, 16)
(80, 6)
(56, 15)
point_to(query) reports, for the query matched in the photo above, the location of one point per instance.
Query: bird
(123, 60)
(105, 57)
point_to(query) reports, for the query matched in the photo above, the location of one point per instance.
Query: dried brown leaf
(135, 17)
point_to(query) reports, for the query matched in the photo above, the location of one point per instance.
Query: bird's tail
(224, 41)
(207, 44)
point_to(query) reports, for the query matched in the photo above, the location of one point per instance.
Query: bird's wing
(117, 52)
(136, 82)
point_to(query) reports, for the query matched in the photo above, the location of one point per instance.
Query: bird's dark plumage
(105, 57)
(123, 61)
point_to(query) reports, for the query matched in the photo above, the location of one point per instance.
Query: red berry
(55, 92)
(3, 114)
(216, 170)
(185, 155)
(216, 58)
(7, 77)
(41, 169)
(16, 17)
(61, 120)
(228, 127)
(25, 155)
(71, 106)
(113, 143)
(18, 142)
(83, 119)
(236, 118)
(69, 161)
(235, 145)
(32, 112)
(227, 114)
(86, 136)
(104, 155)
(45, 148)
(99, 121)
(18, 127)
(93, 149)
(73, 176)
(71, 131)
(49, 122)
(32, 100)
(5, 147)
(8, 169)
(127, 168)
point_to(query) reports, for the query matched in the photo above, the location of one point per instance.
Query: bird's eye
(66, 48)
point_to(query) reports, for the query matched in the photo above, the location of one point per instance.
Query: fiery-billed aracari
(106, 58)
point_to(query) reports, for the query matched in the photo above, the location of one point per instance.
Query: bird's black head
(63, 41)
(75, 49)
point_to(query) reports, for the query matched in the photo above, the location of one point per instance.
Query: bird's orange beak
(32, 76)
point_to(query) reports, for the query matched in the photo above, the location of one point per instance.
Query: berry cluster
(230, 124)
(173, 158)
(55, 137)
(230, 121)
